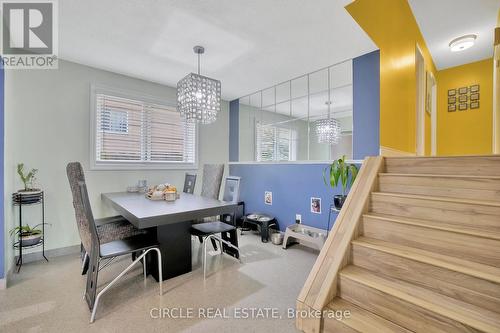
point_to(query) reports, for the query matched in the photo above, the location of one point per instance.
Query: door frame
(420, 101)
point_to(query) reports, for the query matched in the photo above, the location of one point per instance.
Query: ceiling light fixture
(198, 96)
(462, 43)
(328, 130)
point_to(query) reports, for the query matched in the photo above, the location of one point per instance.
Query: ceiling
(442, 21)
(249, 45)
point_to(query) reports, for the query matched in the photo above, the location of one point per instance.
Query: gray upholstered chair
(212, 180)
(226, 227)
(189, 183)
(210, 188)
(102, 254)
(108, 229)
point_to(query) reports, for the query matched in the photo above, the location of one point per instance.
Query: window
(137, 132)
(275, 143)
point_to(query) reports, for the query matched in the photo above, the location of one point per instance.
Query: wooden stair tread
(442, 199)
(485, 272)
(461, 229)
(429, 175)
(453, 309)
(362, 320)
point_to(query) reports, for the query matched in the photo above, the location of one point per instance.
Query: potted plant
(27, 236)
(27, 178)
(340, 172)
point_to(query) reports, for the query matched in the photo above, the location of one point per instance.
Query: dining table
(170, 221)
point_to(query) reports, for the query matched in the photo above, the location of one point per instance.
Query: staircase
(415, 249)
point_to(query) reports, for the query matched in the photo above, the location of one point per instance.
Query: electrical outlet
(298, 218)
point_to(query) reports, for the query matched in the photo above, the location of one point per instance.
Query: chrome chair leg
(105, 289)
(205, 251)
(144, 267)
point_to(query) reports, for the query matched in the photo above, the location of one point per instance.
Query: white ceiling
(249, 44)
(442, 21)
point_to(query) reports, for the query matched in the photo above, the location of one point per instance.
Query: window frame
(132, 165)
(292, 147)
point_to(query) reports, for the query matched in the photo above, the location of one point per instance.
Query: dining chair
(212, 180)
(108, 228)
(226, 227)
(189, 183)
(103, 254)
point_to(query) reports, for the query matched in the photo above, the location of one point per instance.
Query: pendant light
(198, 96)
(328, 130)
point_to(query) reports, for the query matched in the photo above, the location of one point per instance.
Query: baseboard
(3, 283)
(391, 152)
(37, 256)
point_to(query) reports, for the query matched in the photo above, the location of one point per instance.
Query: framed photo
(462, 98)
(452, 100)
(462, 90)
(452, 108)
(474, 96)
(315, 205)
(474, 105)
(474, 88)
(268, 198)
(462, 106)
(452, 92)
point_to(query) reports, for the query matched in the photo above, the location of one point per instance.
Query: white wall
(47, 126)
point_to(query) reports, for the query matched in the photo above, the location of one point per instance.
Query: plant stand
(29, 199)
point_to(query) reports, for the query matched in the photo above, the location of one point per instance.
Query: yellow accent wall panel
(392, 26)
(466, 132)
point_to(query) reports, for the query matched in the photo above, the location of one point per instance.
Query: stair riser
(335, 326)
(460, 286)
(474, 189)
(471, 165)
(477, 249)
(480, 217)
(403, 313)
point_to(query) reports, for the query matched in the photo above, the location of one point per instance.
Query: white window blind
(274, 143)
(132, 130)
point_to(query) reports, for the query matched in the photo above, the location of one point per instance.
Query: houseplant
(340, 172)
(27, 236)
(27, 178)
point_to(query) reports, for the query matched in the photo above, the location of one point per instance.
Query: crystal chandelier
(328, 130)
(198, 96)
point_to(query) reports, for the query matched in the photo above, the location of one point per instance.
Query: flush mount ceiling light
(198, 96)
(462, 43)
(328, 130)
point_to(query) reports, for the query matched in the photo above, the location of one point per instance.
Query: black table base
(175, 247)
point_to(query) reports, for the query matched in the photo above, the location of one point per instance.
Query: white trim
(292, 162)
(434, 119)
(96, 165)
(420, 101)
(3, 283)
(391, 152)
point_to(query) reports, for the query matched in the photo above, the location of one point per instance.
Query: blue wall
(294, 184)
(234, 129)
(366, 105)
(2, 140)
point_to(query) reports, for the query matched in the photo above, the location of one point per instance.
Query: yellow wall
(392, 26)
(466, 132)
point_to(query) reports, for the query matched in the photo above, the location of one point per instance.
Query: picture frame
(474, 88)
(474, 97)
(462, 106)
(462, 98)
(452, 107)
(268, 198)
(315, 205)
(452, 100)
(474, 105)
(463, 90)
(452, 92)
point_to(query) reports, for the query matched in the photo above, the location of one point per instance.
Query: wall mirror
(308, 118)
